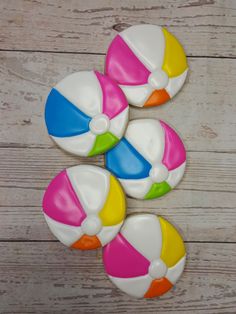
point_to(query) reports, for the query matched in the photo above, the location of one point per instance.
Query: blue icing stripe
(126, 162)
(63, 119)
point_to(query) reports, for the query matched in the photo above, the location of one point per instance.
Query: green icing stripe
(157, 190)
(103, 143)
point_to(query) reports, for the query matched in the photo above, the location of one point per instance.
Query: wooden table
(40, 43)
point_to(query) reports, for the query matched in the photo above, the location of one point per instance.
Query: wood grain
(49, 278)
(203, 204)
(40, 43)
(204, 224)
(203, 112)
(205, 27)
(206, 171)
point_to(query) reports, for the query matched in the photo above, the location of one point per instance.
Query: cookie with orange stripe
(84, 207)
(148, 63)
(146, 258)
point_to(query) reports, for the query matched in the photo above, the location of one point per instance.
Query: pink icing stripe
(61, 203)
(123, 66)
(174, 153)
(114, 100)
(122, 260)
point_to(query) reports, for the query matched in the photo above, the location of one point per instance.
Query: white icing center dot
(158, 173)
(99, 124)
(91, 225)
(157, 269)
(158, 79)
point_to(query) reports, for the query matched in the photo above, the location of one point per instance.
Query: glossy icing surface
(86, 113)
(146, 258)
(84, 206)
(149, 160)
(148, 63)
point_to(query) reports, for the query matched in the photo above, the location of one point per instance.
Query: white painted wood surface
(40, 43)
(206, 27)
(49, 278)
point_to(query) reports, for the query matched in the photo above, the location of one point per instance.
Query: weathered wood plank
(48, 278)
(204, 27)
(206, 171)
(203, 113)
(203, 205)
(31, 197)
(207, 224)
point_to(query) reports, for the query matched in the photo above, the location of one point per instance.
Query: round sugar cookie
(148, 63)
(86, 113)
(150, 159)
(84, 207)
(147, 256)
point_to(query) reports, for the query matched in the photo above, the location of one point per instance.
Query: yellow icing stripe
(172, 244)
(175, 62)
(113, 212)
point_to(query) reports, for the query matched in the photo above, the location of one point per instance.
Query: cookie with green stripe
(86, 113)
(149, 160)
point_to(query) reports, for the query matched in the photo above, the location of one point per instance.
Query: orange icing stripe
(157, 97)
(158, 287)
(87, 243)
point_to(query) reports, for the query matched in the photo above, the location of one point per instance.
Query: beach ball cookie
(86, 113)
(146, 258)
(150, 159)
(84, 207)
(148, 63)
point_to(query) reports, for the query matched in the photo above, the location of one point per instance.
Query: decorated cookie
(150, 159)
(86, 113)
(84, 207)
(146, 258)
(148, 63)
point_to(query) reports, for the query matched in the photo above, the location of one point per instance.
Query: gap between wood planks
(29, 146)
(42, 189)
(103, 54)
(56, 241)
